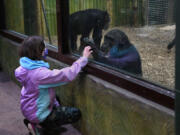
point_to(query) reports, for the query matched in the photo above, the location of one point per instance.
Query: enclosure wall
(106, 109)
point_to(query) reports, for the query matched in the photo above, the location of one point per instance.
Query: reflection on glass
(14, 15)
(132, 36)
(31, 17)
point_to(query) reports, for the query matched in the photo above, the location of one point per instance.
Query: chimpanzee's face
(115, 37)
(107, 44)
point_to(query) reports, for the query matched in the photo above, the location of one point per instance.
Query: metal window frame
(177, 71)
(2, 15)
(143, 88)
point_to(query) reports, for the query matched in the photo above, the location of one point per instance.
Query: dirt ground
(158, 64)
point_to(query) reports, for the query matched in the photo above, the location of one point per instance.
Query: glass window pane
(14, 15)
(139, 40)
(32, 17)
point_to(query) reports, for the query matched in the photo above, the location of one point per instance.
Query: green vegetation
(122, 12)
(25, 17)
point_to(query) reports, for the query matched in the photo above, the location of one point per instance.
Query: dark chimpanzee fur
(171, 44)
(83, 22)
(120, 53)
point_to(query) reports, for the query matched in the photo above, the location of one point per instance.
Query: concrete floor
(11, 119)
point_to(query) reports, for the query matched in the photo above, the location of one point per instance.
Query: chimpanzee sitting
(82, 22)
(120, 52)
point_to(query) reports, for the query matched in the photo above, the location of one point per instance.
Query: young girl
(38, 100)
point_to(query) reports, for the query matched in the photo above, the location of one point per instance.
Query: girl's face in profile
(45, 53)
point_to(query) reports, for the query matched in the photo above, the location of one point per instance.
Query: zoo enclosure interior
(126, 16)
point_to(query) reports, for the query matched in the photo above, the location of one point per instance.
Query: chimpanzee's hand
(88, 42)
(95, 51)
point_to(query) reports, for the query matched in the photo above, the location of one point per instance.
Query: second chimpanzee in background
(171, 44)
(83, 22)
(117, 51)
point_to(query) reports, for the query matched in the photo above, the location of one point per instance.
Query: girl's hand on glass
(87, 51)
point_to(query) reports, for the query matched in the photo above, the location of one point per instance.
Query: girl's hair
(32, 47)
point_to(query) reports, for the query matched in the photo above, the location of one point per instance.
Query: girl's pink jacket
(37, 95)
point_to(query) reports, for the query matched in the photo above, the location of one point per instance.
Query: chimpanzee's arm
(171, 44)
(114, 62)
(97, 35)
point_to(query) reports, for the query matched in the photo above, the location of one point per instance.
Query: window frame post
(177, 71)
(2, 15)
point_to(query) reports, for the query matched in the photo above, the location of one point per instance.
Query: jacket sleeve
(58, 77)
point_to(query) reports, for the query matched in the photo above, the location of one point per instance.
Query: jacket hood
(27, 64)
(32, 64)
